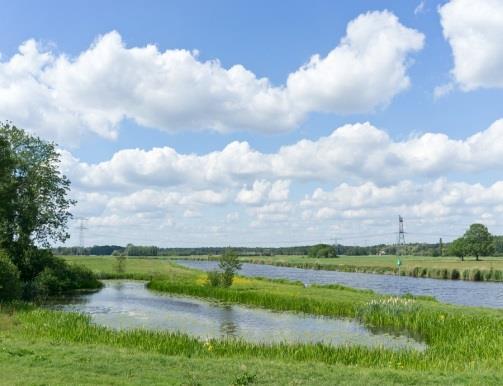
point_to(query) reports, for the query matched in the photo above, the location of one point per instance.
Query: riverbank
(446, 268)
(453, 334)
(465, 345)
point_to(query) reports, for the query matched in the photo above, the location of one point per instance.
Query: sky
(264, 123)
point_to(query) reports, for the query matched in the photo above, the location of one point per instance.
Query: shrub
(322, 251)
(120, 263)
(229, 264)
(10, 284)
(455, 275)
(60, 277)
(214, 278)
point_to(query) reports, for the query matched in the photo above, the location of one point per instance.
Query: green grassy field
(47, 347)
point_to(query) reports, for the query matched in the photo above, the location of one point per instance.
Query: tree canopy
(34, 204)
(478, 241)
(322, 251)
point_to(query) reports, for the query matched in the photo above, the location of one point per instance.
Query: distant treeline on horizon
(414, 249)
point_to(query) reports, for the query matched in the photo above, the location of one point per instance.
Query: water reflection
(126, 305)
(481, 294)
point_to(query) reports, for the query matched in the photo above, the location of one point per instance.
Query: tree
(229, 264)
(322, 251)
(35, 203)
(10, 284)
(458, 248)
(478, 241)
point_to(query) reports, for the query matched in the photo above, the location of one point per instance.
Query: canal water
(129, 304)
(469, 293)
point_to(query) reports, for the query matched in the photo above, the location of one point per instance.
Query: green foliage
(245, 379)
(229, 264)
(34, 203)
(458, 248)
(10, 284)
(120, 263)
(322, 251)
(214, 278)
(478, 241)
(58, 277)
(140, 250)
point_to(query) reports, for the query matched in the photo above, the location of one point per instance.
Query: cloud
(352, 153)
(474, 29)
(420, 8)
(358, 176)
(443, 90)
(263, 190)
(63, 98)
(366, 70)
(432, 209)
(434, 201)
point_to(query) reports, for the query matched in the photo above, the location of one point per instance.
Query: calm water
(469, 293)
(128, 304)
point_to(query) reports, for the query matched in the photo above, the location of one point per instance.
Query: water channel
(469, 293)
(129, 304)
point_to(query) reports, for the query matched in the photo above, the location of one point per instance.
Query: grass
(465, 345)
(453, 333)
(487, 269)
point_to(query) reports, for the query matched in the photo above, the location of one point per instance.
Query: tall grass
(455, 339)
(64, 327)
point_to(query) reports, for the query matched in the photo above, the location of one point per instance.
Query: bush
(10, 284)
(229, 264)
(214, 278)
(322, 251)
(60, 277)
(455, 275)
(120, 263)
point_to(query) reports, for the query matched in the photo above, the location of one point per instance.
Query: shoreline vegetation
(464, 344)
(331, 264)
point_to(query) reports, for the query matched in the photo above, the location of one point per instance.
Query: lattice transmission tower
(401, 237)
(82, 229)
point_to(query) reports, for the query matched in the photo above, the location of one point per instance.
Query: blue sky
(271, 40)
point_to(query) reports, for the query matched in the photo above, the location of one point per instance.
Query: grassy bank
(43, 359)
(455, 335)
(487, 269)
(465, 344)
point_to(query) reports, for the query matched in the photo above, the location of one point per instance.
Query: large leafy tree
(458, 248)
(478, 241)
(34, 204)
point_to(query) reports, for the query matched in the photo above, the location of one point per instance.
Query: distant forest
(414, 249)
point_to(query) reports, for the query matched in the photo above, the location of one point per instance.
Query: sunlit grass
(458, 338)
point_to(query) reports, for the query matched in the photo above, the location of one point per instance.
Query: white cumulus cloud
(62, 97)
(474, 29)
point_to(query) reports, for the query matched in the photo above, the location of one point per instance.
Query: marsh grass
(456, 339)
(62, 327)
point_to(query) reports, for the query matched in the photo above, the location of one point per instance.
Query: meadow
(465, 345)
